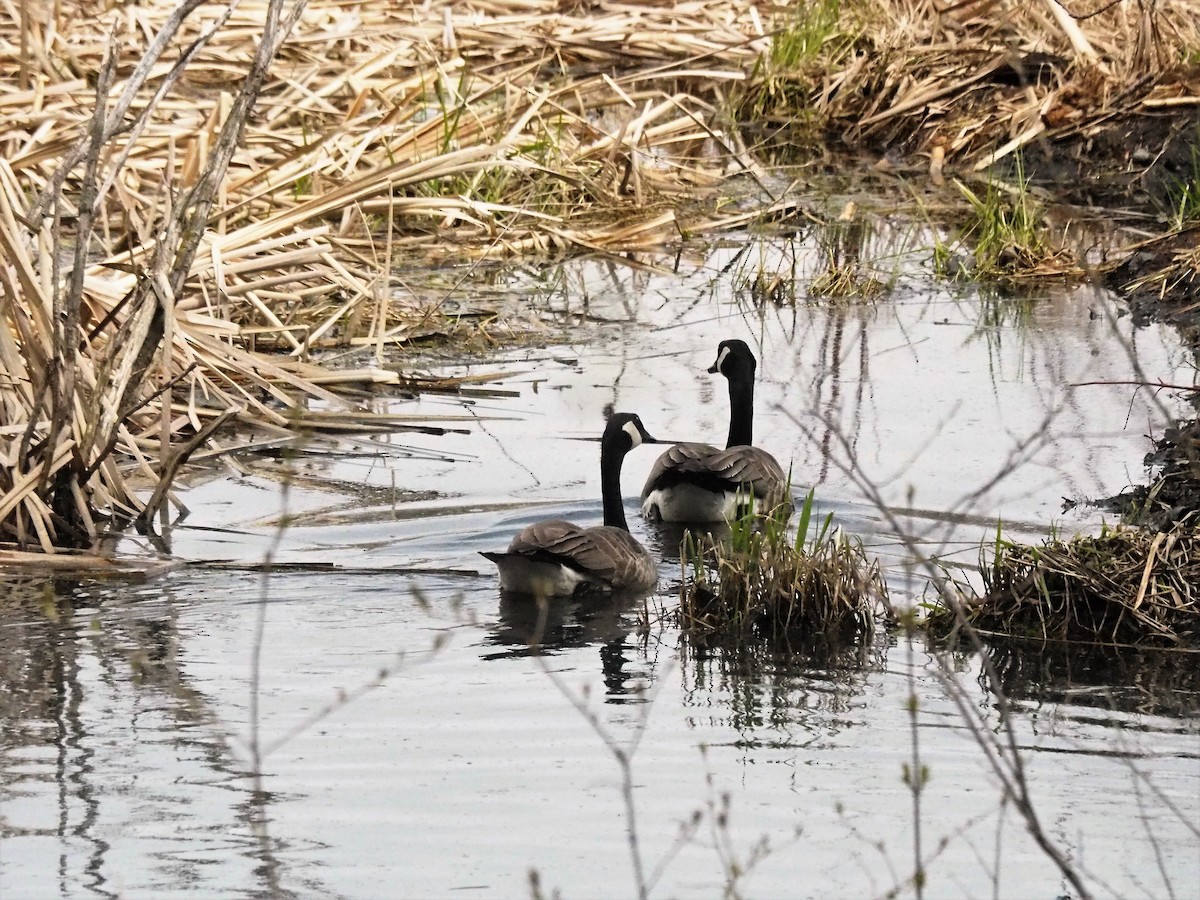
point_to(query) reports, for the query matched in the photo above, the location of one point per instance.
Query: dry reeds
(183, 184)
(973, 83)
(1123, 586)
(763, 583)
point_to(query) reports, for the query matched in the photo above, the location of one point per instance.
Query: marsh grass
(766, 270)
(801, 32)
(838, 262)
(1184, 191)
(846, 272)
(1123, 586)
(775, 105)
(1005, 229)
(764, 583)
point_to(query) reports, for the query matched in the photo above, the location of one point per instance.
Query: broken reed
(1123, 586)
(763, 583)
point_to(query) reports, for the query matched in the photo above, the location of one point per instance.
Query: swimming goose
(700, 483)
(553, 558)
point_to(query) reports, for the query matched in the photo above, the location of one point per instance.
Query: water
(411, 742)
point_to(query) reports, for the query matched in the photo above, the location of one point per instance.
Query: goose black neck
(611, 458)
(741, 410)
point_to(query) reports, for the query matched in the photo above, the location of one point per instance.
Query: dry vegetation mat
(185, 185)
(1123, 586)
(1173, 494)
(972, 83)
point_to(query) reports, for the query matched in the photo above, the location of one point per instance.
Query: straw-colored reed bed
(251, 182)
(972, 83)
(256, 173)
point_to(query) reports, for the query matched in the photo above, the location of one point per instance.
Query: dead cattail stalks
(179, 191)
(970, 84)
(1123, 586)
(763, 583)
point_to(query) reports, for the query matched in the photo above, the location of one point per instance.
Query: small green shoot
(1184, 192)
(1006, 227)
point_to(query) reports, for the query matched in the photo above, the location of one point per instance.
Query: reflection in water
(781, 688)
(666, 538)
(1120, 679)
(41, 707)
(529, 628)
(99, 679)
(115, 776)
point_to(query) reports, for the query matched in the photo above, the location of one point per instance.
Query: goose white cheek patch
(721, 357)
(634, 435)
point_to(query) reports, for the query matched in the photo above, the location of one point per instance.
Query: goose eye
(631, 429)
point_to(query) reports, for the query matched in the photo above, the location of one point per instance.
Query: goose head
(735, 361)
(623, 432)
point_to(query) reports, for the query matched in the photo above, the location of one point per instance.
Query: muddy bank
(1172, 494)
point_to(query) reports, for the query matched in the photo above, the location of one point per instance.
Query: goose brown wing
(750, 466)
(606, 554)
(719, 470)
(669, 467)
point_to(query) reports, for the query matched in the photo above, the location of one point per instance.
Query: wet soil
(1172, 494)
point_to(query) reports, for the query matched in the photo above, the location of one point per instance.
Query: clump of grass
(764, 583)
(766, 270)
(1184, 192)
(802, 33)
(777, 99)
(843, 244)
(1005, 227)
(1124, 586)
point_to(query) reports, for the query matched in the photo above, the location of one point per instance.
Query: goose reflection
(527, 627)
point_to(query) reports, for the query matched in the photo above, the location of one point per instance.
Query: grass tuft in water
(844, 244)
(764, 583)
(1184, 192)
(1124, 586)
(1005, 227)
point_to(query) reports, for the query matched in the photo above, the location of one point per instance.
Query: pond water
(410, 741)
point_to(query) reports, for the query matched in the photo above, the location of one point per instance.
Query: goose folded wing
(595, 551)
(739, 467)
(680, 458)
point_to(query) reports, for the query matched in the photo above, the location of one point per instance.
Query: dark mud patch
(1137, 164)
(1173, 494)
(1134, 161)
(1160, 281)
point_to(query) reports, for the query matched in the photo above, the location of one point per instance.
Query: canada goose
(700, 483)
(554, 558)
